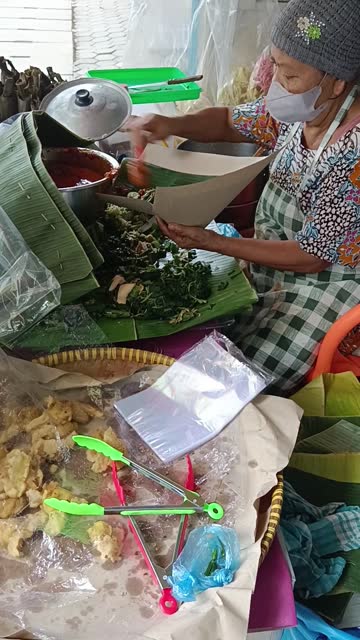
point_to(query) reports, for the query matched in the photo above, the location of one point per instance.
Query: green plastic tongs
(192, 501)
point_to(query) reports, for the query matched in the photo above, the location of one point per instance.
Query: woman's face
(297, 77)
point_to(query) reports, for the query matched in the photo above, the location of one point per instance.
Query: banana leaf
(231, 294)
(331, 395)
(231, 291)
(331, 424)
(160, 177)
(31, 128)
(38, 218)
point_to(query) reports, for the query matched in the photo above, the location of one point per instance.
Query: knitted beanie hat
(324, 34)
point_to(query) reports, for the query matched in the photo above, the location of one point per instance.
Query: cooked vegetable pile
(144, 274)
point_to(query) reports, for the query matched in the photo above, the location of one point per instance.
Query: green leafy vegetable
(148, 276)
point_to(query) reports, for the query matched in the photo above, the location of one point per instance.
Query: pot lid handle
(83, 98)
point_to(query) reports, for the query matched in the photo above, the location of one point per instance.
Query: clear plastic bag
(221, 39)
(209, 559)
(28, 290)
(195, 399)
(53, 583)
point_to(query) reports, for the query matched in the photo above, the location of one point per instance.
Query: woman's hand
(189, 237)
(149, 129)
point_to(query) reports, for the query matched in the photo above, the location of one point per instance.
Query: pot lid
(91, 108)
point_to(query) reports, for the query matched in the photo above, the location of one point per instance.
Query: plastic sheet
(28, 290)
(311, 627)
(263, 72)
(221, 39)
(30, 556)
(210, 558)
(48, 565)
(68, 326)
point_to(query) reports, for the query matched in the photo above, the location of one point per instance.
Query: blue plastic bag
(312, 627)
(227, 230)
(209, 559)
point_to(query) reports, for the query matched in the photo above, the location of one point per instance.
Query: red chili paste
(66, 175)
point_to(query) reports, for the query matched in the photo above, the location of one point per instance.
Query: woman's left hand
(189, 237)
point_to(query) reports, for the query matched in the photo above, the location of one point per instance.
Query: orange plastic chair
(329, 359)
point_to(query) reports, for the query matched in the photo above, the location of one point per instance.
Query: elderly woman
(306, 250)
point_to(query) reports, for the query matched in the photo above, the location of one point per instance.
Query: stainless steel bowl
(237, 149)
(82, 198)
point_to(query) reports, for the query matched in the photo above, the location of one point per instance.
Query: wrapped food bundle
(20, 92)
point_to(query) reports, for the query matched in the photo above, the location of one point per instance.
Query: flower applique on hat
(309, 28)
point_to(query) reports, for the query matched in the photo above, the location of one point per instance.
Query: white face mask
(293, 107)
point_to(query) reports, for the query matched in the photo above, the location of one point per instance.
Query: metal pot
(82, 198)
(240, 212)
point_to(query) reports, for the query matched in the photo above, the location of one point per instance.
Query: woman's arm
(284, 255)
(208, 125)
(246, 123)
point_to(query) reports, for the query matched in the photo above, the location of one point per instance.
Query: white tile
(35, 13)
(40, 55)
(46, 4)
(21, 35)
(34, 24)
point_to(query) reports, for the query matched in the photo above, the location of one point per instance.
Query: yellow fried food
(14, 472)
(18, 475)
(21, 477)
(36, 476)
(54, 524)
(10, 507)
(100, 464)
(59, 414)
(37, 422)
(34, 497)
(59, 411)
(105, 541)
(26, 415)
(14, 533)
(50, 431)
(46, 449)
(50, 450)
(82, 412)
(53, 490)
(55, 519)
(9, 433)
(10, 538)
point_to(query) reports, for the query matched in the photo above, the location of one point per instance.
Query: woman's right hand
(149, 129)
(144, 130)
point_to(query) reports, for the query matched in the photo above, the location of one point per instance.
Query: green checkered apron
(294, 311)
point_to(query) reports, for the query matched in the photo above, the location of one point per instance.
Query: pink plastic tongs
(167, 602)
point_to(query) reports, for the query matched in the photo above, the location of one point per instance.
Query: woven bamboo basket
(105, 361)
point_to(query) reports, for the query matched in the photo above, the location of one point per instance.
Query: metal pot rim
(100, 154)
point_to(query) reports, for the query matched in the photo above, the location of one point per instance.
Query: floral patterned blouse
(330, 199)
